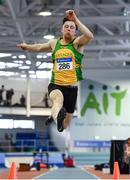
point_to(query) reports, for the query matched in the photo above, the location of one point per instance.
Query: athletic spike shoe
(49, 120)
(60, 119)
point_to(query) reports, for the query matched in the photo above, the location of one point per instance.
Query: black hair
(66, 19)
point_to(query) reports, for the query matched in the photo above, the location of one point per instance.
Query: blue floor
(91, 158)
(67, 173)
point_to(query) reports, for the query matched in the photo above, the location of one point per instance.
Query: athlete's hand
(70, 14)
(22, 46)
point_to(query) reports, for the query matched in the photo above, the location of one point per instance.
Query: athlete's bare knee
(56, 95)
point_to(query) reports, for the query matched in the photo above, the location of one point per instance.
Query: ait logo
(92, 102)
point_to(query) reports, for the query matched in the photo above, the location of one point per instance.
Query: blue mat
(2, 160)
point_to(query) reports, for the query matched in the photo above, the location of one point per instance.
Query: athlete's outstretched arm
(87, 35)
(37, 47)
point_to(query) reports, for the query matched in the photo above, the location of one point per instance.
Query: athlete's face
(68, 29)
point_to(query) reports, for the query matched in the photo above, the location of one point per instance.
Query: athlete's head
(128, 141)
(69, 28)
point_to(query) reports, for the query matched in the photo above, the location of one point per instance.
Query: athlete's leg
(70, 97)
(67, 120)
(57, 102)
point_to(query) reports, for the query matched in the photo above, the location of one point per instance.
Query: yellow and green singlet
(66, 64)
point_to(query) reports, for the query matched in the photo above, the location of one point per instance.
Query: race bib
(64, 64)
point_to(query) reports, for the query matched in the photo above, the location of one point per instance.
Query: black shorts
(69, 94)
